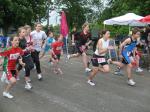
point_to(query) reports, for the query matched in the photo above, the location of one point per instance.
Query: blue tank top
(131, 46)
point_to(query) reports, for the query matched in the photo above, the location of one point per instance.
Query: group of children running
(24, 53)
(27, 48)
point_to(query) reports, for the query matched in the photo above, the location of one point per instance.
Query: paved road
(71, 93)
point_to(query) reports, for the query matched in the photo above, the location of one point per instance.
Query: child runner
(126, 48)
(47, 46)
(12, 54)
(27, 59)
(57, 51)
(99, 57)
(83, 43)
(38, 37)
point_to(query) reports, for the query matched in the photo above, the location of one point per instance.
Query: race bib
(58, 48)
(101, 60)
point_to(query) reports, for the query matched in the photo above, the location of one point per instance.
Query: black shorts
(80, 50)
(95, 60)
(28, 62)
(124, 61)
(58, 57)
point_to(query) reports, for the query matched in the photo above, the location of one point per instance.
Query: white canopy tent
(130, 19)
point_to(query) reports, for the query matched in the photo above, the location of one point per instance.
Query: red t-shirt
(57, 47)
(12, 55)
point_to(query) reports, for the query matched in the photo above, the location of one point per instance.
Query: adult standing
(38, 37)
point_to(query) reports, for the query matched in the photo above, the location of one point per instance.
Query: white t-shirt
(37, 38)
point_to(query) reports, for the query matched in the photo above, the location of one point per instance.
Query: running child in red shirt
(56, 52)
(12, 55)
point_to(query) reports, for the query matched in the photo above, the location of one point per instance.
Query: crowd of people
(28, 47)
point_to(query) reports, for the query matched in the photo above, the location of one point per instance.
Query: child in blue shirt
(47, 46)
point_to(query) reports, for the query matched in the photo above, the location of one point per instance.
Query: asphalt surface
(70, 92)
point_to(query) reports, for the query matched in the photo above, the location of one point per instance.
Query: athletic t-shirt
(105, 44)
(130, 47)
(38, 38)
(49, 41)
(57, 47)
(83, 38)
(12, 55)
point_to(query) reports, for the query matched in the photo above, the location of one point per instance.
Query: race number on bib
(101, 60)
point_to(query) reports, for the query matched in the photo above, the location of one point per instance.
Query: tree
(19, 12)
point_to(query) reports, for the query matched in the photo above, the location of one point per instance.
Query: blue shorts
(126, 59)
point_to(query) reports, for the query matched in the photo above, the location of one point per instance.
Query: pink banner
(64, 26)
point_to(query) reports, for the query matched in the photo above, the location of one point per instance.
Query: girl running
(12, 54)
(83, 43)
(57, 51)
(99, 57)
(27, 59)
(126, 48)
(47, 46)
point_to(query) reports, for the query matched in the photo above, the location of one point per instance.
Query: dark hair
(49, 32)
(103, 32)
(12, 38)
(135, 30)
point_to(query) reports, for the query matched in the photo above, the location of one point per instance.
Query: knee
(13, 81)
(106, 70)
(130, 66)
(95, 70)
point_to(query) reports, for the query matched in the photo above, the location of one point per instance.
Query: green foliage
(121, 7)
(19, 12)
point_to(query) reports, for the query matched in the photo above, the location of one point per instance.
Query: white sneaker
(24, 69)
(7, 95)
(88, 70)
(131, 82)
(29, 80)
(68, 57)
(39, 77)
(18, 78)
(91, 83)
(139, 70)
(28, 86)
(34, 67)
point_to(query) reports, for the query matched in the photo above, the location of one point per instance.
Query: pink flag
(146, 19)
(64, 26)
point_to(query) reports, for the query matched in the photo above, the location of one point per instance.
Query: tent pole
(129, 29)
(104, 26)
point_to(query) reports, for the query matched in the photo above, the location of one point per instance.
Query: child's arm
(21, 62)
(4, 53)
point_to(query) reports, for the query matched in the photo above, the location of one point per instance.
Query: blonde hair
(20, 29)
(27, 26)
(85, 25)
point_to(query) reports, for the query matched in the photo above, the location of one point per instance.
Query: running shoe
(91, 83)
(88, 70)
(34, 67)
(68, 57)
(39, 77)
(139, 70)
(28, 86)
(131, 82)
(7, 95)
